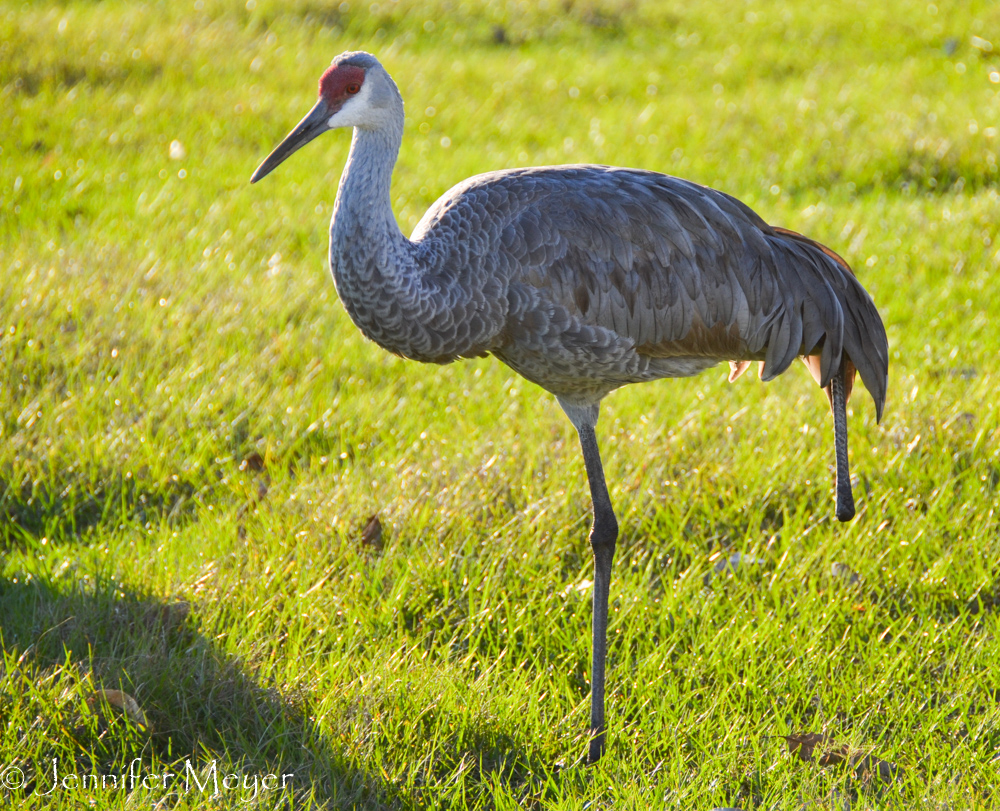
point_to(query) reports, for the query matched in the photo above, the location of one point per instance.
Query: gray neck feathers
(380, 280)
(363, 199)
(423, 300)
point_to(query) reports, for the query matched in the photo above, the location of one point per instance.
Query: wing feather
(665, 268)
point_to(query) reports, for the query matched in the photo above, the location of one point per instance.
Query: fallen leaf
(804, 744)
(253, 462)
(371, 535)
(809, 746)
(121, 701)
(263, 485)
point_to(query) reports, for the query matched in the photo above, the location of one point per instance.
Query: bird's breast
(433, 318)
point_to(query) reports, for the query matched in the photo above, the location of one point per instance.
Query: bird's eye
(353, 88)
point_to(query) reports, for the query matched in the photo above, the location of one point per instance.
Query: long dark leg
(603, 536)
(838, 401)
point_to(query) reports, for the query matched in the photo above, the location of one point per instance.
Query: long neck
(363, 198)
(370, 259)
(400, 294)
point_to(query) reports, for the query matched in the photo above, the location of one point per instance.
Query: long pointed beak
(314, 123)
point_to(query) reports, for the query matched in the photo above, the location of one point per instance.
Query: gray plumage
(583, 279)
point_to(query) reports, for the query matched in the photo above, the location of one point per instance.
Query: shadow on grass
(61, 647)
(65, 509)
(66, 646)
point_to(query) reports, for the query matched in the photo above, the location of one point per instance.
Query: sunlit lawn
(193, 435)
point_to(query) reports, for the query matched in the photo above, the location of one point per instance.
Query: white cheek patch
(353, 109)
(341, 118)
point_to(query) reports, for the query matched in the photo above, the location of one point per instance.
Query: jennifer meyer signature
(204, 780)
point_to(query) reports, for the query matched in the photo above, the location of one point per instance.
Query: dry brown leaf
(263, 485)
(865, 766)
(371, 535)
(253, 462)
(841, 753)
(121, 701)
(803, 744)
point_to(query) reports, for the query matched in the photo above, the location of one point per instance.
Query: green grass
(193, 434)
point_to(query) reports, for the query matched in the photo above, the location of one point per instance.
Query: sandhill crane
(583, 279)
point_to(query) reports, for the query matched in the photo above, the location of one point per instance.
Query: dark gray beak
(315, 123)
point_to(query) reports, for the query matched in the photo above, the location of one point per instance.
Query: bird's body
(586, 278)
(583, 279)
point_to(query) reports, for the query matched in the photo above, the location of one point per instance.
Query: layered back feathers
(671, 269)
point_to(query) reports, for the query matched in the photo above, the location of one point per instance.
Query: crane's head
(355, 91)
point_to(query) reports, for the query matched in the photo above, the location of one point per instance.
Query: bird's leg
(603, 536)
(838, 402)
